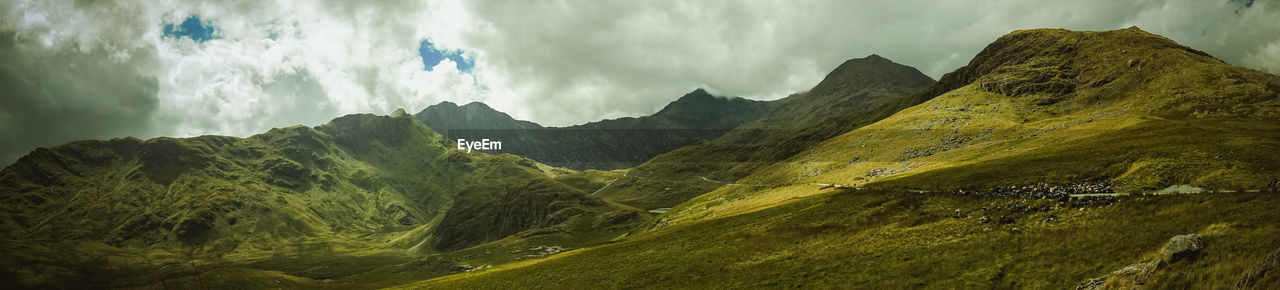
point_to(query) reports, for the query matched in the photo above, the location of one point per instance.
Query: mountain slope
(1126, 109)
(969, 189)
(608, 144)
(360, 186)
(895, 239)
(484, 214)
(858, 92)
(275, 179)
(1145, 105)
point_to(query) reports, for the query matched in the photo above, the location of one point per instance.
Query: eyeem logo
(483, 144)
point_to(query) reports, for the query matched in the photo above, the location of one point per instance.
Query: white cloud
(284, 62)
(612, 58)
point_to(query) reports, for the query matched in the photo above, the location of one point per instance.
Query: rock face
(1182, 247)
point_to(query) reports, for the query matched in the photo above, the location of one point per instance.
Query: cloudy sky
(89, 69)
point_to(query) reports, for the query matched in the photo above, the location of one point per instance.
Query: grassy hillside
(857, 93)
(300, 204)
(969, 189)
(512, 201)
(591, 181)
(1126, 108)
(965, 183)
(892, 239)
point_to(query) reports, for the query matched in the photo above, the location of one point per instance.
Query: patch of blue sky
(432, 56)
(192, 28)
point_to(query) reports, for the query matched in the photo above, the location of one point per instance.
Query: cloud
(277, 63)
(52, 97)
(100, 69)
(613, 58)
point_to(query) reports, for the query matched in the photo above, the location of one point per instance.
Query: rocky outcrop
(1182, 247)
(1130, 277)
(1137, 276)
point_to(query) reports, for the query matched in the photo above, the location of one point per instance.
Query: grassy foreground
(869, 239)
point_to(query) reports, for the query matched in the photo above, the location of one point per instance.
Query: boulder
(1182, 247)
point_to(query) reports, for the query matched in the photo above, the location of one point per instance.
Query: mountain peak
(1049, 60)
(700, 109)
(870, 71)
(474, 115)
(697, 94)
(477, 105)
(696, 100)
(444, 104)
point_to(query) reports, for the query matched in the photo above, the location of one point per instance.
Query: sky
(93, 69)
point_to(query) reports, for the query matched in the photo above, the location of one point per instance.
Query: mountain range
(1053, 159)
(603, 145)
(359, 182)
(1005, 176)
(857, 93)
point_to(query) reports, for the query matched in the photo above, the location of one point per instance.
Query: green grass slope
(507, 201)
(1125, 108)
(857, 93)
(891, 239)
(189, 192)
(300, 204)
(1119, 110)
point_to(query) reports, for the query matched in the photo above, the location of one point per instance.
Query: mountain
(306, 201)
(447, 116)
(1133, 109)
(696, 110)
(1118, 111)
(858, 92)
(608, 144)
(1053, 159)
(981, 185)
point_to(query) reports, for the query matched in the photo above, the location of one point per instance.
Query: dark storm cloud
(54, 96)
